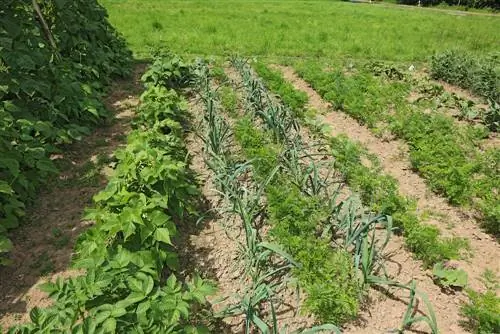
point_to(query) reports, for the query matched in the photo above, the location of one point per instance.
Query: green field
(292, 167)
(298, 29)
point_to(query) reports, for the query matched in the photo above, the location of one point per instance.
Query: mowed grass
(299, 29)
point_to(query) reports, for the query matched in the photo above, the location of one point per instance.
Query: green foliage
(481, 75)
(294, 99)
(492, 4)
(328, 277)
(380, 192)
(168, 70)
(49, 95)
(256, 145)
(128, 255)
(229, 100)
(443, 152)
(448, 276)
(492, 116)
(360, 95)
(483, 309)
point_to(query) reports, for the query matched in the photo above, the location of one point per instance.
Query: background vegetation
(298, 29)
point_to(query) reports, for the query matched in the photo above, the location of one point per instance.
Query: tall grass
(298, 29)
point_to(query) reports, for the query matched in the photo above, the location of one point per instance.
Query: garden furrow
(212, 249)
(44, 245)
(394, 162)
(393, 301)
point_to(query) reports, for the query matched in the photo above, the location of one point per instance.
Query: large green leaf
(5, 244)
(163, 234)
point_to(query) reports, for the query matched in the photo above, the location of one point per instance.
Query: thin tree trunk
(45, 27)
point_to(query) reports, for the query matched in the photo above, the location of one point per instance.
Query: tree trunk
(45, 27)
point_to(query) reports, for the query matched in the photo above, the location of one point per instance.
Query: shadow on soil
(43, 244)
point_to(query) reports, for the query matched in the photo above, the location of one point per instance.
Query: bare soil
(214, 248)
(44, 243)
(452, 221)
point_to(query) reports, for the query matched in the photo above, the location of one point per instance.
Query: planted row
(380, 193)
(266, 265)
(339, 244)
(56, 59)
(129, 261)
(445, 154)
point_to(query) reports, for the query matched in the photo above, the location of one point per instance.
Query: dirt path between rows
(214, 248)
(43, 244)
(452, 221)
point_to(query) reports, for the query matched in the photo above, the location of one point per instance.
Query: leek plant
(348, 225)
(266, 265)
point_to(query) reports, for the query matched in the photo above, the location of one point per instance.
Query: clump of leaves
(382, 69)
(483, 309)
(480, 75)
(168, 70)
(449, 277)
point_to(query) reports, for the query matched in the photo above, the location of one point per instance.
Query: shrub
(479, 75)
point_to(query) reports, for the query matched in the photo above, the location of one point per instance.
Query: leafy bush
(168, 70)
(50, 91)
(479, 75)
(128, 255)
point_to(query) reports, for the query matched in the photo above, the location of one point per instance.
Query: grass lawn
(299, 29)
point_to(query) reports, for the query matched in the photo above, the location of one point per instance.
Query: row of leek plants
(379, 191)
(337, 243)
(266, 266)
(128, 258)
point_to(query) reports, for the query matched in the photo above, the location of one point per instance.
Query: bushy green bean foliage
(130, 283)
(50, 93)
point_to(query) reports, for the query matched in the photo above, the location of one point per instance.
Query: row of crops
(131, 279)
(276, 174)
(380, 192)
(56, 60)
(128, 259)
(283, 184)
(450, 157)
(337, 246)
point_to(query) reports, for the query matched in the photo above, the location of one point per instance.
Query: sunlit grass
(298, 28)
